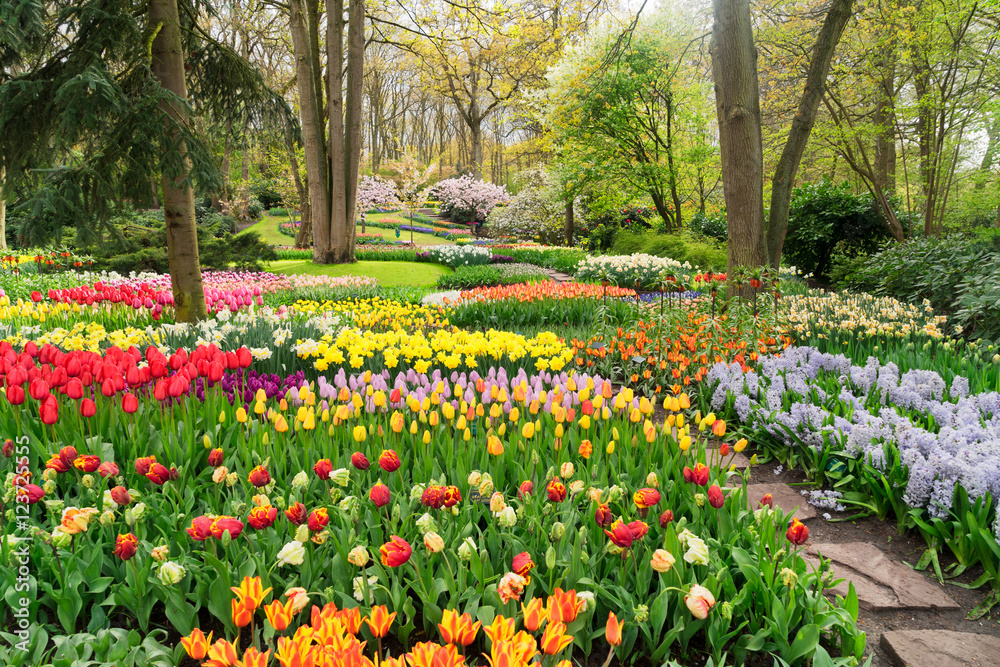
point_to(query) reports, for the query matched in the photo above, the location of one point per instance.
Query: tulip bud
(160, 553)
(358, 556)
(641, 614)
(302, 533)
(107, 518)
(557, 532)
(550, 557)
(427, 524)
(50, 487)
(566, 470)
(301, 480)
(232, 478)
(466, 548)
(171, 573)
(87, 481)
(60, 539)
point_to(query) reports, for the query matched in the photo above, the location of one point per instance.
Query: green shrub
(277, 212)
(710, 226)
(675, 246)
(827, 219)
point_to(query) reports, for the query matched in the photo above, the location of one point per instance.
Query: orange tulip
(613, 630)
(251, 592)
(563, 606)
(279, 615)
(555, 639)
(196, 644)
(254, 658)
(296, 652)
(380, 620)
(457, 629)
(221, 654)
(534, 614)
(429, 654)
(502, 629)
(242, 613)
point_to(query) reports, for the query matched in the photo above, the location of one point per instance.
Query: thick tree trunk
(178, 198)
(476, 157)
(335, 97)
(802, 124)
(3, 211)
(345, 123)
(569, 224)
(314, 145)
(885, 140)
(737, 97)
(660, 204)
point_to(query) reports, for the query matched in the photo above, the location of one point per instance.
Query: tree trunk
(569, 223)
(313, 145)
(227, 151)
(304, 237)
(245, 182)
(476, 157)
(885, 140)
(345, 123)
(802, 124)
(737, 97)
(925, 135)
(3, 211)
(178, 198)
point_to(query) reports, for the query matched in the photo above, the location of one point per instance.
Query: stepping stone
(784, 497)
(941, 648)
(880, 583)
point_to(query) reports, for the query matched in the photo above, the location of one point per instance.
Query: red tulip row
(48, 371)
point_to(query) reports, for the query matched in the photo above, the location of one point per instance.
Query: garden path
(910, 618)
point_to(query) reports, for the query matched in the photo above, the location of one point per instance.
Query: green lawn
(389, 274)
(267, 229)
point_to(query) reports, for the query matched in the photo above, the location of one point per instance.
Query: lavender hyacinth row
(945, 436)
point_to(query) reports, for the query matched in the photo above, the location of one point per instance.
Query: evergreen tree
(97, 97)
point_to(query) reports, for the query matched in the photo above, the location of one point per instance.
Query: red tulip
(797, 532)
(318, 519)
(527, 486)
(74, 388)
(766, 500)
(130, 403)
(360, 461)
(158, 474)
(523, 565)
(452, 496)
(296, 513)
(15, 394)
(433, 497)
(49, 410)
(556, 491)
(639, 529)
(379, 495)
(603, 516)
(38, 389)
(259, 476)
(33, 493)
(120, 495)
(262, 517)
(87, 463)
(323, 468)
(620, 534)
(88, 408)
(223, 523)
(107, 469)
(143, 463)
(215, 457)
(126, 546)
(8, 448)
(395, 552)
(389, 460)
(395, 396)
(666, 518)
(715, 497)
(698, 476)
(244, 357)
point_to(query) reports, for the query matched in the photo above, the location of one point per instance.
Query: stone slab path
(784, 497)
(940, 648)
(558, 277)
(879, 582)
